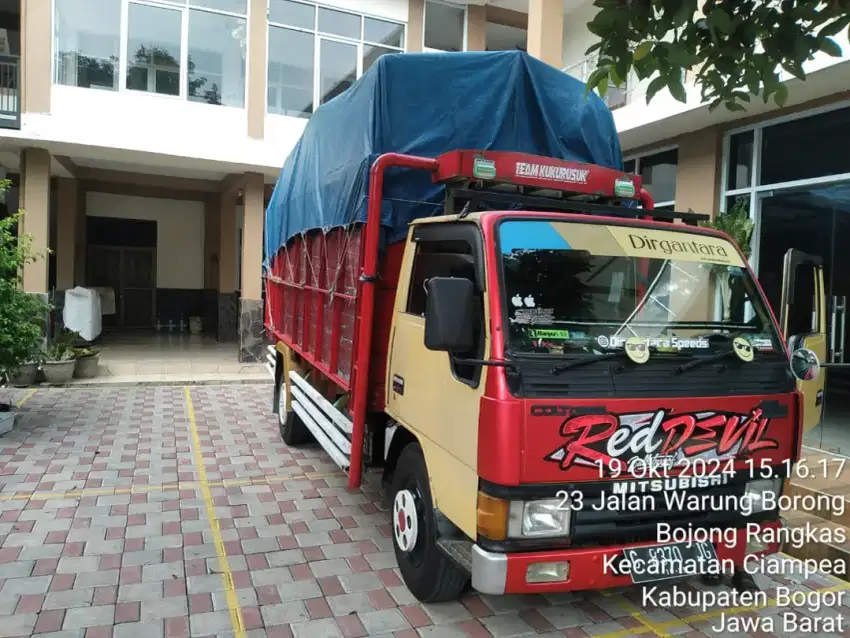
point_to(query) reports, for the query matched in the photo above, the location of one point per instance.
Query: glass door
(815, 220)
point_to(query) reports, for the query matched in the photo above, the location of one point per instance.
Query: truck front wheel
(429, 574)
(292, 428)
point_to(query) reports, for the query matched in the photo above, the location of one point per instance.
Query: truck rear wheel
(292, 428)
(428, 572)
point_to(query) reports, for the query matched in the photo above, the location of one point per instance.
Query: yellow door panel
(815, 339)
(443, 413)
(813, 390)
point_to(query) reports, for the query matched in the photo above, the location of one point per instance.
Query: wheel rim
(281, 404)
(406, 521)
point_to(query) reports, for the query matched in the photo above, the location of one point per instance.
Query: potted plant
(59, 360)
(22, 315)
(87, 359)
(737, 224)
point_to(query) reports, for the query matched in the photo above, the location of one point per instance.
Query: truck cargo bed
(312, 292)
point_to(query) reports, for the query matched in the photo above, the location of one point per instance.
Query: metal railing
(10, 91)
(615, 97)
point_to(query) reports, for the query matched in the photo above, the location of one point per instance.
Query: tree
(22, 315)
(735, 47)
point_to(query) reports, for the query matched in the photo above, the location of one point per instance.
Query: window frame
(183, 8)
(318, 37)
(668, 203)
(471, 235)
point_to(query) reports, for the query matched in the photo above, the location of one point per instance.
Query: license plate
(660, 562)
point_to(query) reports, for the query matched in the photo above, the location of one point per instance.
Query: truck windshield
(583, 288)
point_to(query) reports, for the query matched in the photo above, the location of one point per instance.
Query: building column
(35, 202)
(36, 62)
(476, 28)
(546, 31)
(67, 223)
(212, 231)
(228, 303)
(81, 248)
(258, 32)
(698, 171)
(251, 331)
(415, 25)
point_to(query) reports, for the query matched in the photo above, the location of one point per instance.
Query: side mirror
(804, 364)
(448, 314)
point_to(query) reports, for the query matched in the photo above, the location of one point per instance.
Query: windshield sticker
(743, 349)
(662, 343)
(591, 439)
(551, 334)
(760, 342)
(533, 316)
(519, 301)
(637, 349)
(665, 244)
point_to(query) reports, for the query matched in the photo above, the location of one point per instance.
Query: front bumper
(506, 573)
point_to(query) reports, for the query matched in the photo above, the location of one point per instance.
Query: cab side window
(449, 257)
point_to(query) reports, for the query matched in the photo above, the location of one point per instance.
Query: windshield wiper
(696, 363)
(592, 358)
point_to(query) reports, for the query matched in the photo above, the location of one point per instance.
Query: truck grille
(657, 379)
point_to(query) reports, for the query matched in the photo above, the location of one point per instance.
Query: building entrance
(816, 220)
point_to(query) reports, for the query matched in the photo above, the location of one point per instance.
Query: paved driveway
(169, 511)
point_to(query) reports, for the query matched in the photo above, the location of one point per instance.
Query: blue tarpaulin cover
(426, 104)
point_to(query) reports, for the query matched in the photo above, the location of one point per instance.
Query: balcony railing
(615, 97)
(10, 91)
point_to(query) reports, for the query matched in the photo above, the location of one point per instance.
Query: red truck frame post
(368, 279)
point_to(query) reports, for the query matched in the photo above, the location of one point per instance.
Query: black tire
(292, 428)
(430, 574)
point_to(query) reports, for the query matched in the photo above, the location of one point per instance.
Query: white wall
(179, 233)
(577, 39)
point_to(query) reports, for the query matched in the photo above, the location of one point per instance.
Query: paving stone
(213, 623)
(284, 613)
(322, 628)
(138, 630)
(81, 617)
(299, 590)
(169, 607)
(384, 621)
(69, 599)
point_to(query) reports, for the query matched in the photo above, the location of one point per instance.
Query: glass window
(582, 298)
(290, 72)
(294, 14)
(233, 6)
(154, 49)
(740, 161)
(630, 166)
(88, 36)
(659, 175)
(216, 58)
(338, 68)
(295, 56)
(383, 32)
(338, 23)
(444, 26)
(810, 147)
(372, 53)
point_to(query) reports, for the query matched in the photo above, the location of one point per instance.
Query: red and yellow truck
(537, 367)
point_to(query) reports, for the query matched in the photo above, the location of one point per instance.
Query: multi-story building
(143, 136)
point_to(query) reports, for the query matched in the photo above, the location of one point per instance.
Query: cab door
(803, 321)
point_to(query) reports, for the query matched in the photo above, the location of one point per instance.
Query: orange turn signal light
(492, 517)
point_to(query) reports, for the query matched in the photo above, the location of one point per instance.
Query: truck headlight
(538, 519)
(762, 495)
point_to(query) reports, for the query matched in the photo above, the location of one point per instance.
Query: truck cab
(573, 394)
